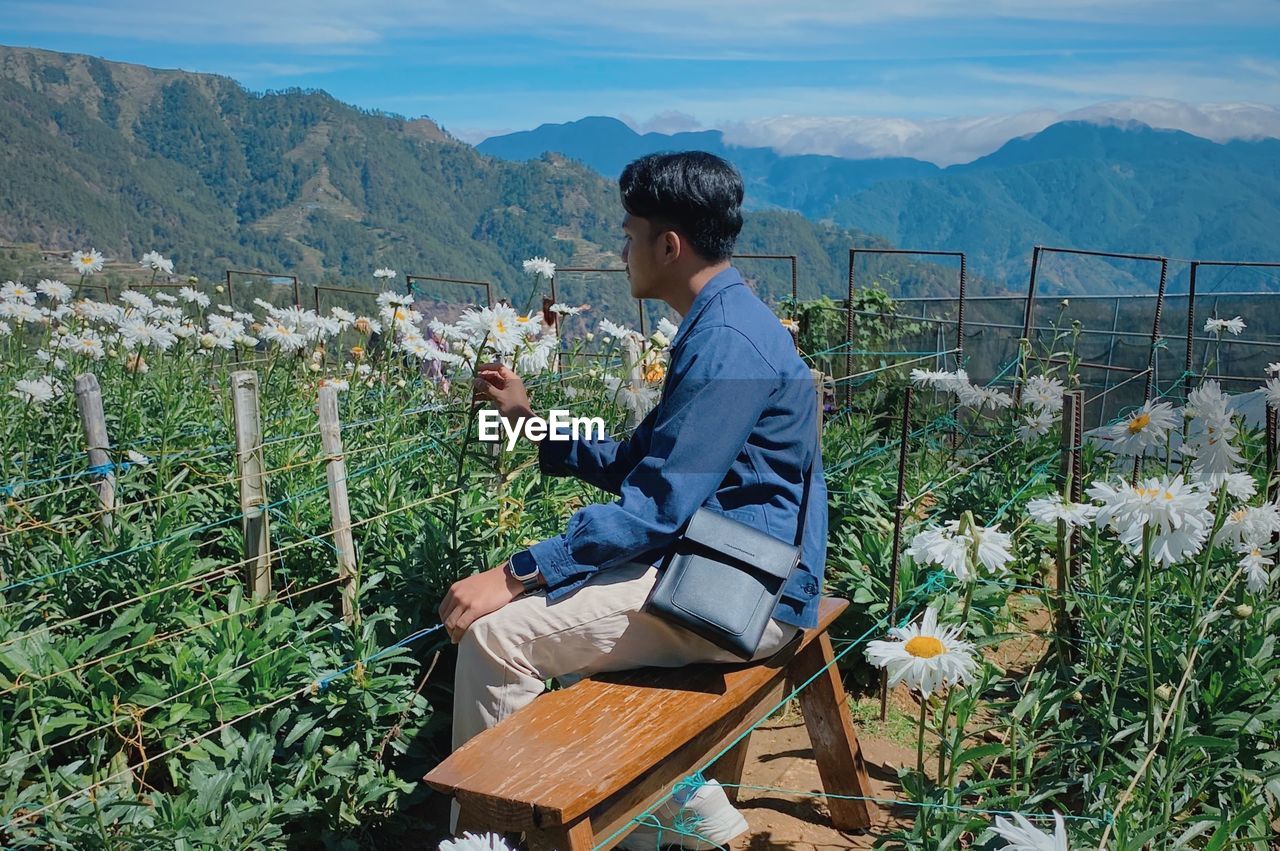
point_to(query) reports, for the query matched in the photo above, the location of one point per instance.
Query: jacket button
(810, 587)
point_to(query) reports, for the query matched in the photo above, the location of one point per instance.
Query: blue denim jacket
(734, 431)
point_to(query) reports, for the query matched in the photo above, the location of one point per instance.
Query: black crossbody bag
(723, 579)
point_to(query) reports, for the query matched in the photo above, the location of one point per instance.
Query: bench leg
(728, 768)
(835, 744)
(573, 837)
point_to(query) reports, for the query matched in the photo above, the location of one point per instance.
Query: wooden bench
(574, 767)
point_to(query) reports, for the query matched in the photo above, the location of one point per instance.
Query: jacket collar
(728, 278)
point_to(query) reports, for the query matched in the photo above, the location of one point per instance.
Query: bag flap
(742, 543)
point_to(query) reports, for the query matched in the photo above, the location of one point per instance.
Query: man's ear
(672, 247)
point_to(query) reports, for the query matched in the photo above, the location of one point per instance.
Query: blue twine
(192, 530)
(323, 683)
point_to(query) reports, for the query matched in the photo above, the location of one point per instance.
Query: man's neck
(683, 295)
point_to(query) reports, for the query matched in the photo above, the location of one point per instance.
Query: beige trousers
(505, 657)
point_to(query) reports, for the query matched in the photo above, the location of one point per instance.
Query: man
(735, 430)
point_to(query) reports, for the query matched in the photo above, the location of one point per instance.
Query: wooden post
(1273, 461)
(94, 423)
(899, 506)
(339, 507)
(253, 487)
(631, 362)
(1068, 552)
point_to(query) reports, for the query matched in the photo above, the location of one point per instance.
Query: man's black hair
(696, 194)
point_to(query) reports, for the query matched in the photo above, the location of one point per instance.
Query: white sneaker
(707, 813)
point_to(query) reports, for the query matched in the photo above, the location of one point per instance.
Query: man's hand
(497, 383)
(476, 596)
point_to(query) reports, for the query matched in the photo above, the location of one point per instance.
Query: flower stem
(924, 705)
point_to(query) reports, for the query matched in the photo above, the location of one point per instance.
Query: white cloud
(955, 140)
(667, 121)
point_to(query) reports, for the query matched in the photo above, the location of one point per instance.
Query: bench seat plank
(572, 749)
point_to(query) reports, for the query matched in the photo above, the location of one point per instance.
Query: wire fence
(1096, 353)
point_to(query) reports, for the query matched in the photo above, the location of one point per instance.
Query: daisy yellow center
(502, 327)
(925, 647)
(1139, 422)
(401, 315)
(522, 320)
(1238, 515)
(655, 373)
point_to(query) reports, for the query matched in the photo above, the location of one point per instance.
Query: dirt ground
(780, 757)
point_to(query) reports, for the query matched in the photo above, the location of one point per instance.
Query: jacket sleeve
(603, 463)
(719, 387)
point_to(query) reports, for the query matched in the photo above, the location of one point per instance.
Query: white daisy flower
(1248, 526)
(52, 290)
(384, 273)
(638, 398)
(567, 310)
(1257, 570)
(498, 328)
(618, 332)
(667, 328)
(87, 262)
(973, 396)
(283, 336)
(472, 842)
(938, 379)
(1146, 427)
(1035, 425)
(540, 267)
(1049, 510)
(5, 330)
(924, 656)
(88, 344)
(20, 311)
(659, 340)
(224, 326)
(537, 358)
(386, 298)
(1177, 512)
(191, 295)
(346, 317)
(137, 300)
(36, 391)
(1043, 392)
(155, 261)
(1271, 390)
(165, 298)
(137, 459)
(939, 545)
(1217, 326)
(15, 291)
(1273, 368)
(1241, 485)
(1022, 835)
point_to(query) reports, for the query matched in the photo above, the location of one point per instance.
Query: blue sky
(867, 75)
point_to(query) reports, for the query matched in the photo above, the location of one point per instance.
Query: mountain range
(130, 159)
(1112, 186)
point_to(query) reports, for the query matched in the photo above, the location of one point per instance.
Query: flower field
(151, 697)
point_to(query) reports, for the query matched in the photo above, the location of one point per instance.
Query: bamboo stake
(339, 507)
(94, 423)
(253, 490)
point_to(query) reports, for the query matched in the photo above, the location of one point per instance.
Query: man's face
(641, 253)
